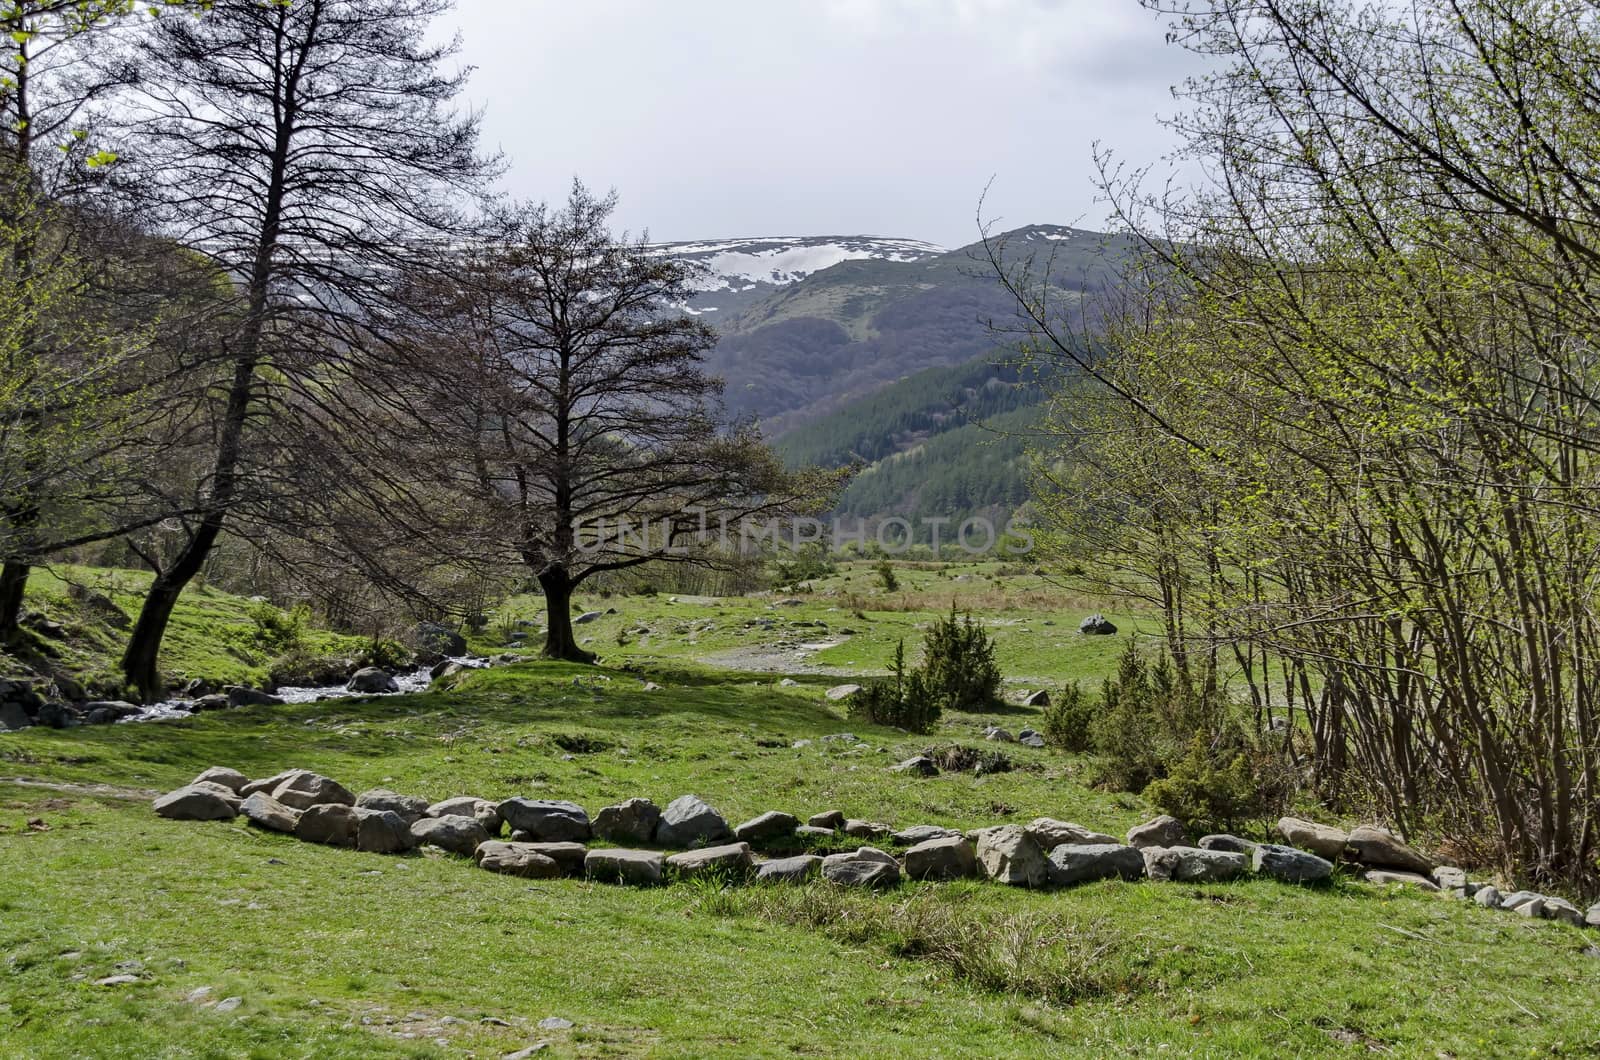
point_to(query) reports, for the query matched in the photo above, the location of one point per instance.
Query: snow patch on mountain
(741, 264)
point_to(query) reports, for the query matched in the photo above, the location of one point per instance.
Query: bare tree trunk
(559, 642)
(13, 580)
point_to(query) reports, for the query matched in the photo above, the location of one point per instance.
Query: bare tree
(563, 391)
(301, 147)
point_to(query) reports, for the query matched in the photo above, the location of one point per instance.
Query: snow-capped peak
(741, 264)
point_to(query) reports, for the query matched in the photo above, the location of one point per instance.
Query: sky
(725, 118)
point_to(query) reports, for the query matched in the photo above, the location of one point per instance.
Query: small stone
(1381, 848)
(838, 692)
(1385, 877)
(998, 735)
(1082, 862)
(917, 765)
(1289, 864)
(547, 820)
(831, 819)
(807, 831)
(1322, 840)
(1223, 841)
(515, 859)
(228, 1004)
(921, 833)
(797, 869)
(687, 821)
(1192, 865)
(769, 825)
(733, 860)
(1029, 738)
(555, 1023)
(631, 821)
(116, 980)
(858, 829)
(1488, 896)
(944, 858)
(1164, 831)
(370, 680)
(197, 995)
(1009, 855)
(1592, 917)
(458, 835)
(1036, 699)
(641, 867)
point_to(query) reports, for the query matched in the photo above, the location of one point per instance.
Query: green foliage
(811, 560)
(276, 630)
(385, 654)
(1068, 718)
(886, 578)
(1207, 790)
(958, 663)
(906, 702)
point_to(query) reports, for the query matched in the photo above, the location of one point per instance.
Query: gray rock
(1036, 699)
(998, 735)
(1192, 865)
(263, 811)
(827, 819)
(556, 1023)
(688, 821)
(917, 765)
(431, 639)
(1488, 896)
(838, 692)
(1289, 864)
(1009, 855)
(372, 681)
(921, 833)
(851, 870)
(228, 1004)
(858, 829)
(1322, 840)
(106, 711)
(732, 860)
(797, 869)
(1385, 877)
(241, 696)
(481, 810)
(1081, 862)
(1050, 833)
(567, 855)
(332, 823)
(1592, 917)
(1517, 901)
(813, 832)
(639, 867)
(231, 779)
(409, 807)
(1562, 910)
(206, 704)
(1450, 878)
(1097, 625)
(1164, 831)
(458, 835)
(53, 715)
(14, 717)
(268, 784)
(1028, 738)
(382, 832)
(769, 825)
(945, 858)
(304, 789)
(632, 821)
(198, 802)
(1223, 841)
(1380, 848)
(516, 859)
(587, 617)
(547, 820)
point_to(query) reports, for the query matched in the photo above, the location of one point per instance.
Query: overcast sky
(716, 118)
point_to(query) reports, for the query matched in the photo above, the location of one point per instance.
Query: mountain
(809, 324)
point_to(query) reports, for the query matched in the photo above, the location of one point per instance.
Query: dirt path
(780, 661)
(104, 791)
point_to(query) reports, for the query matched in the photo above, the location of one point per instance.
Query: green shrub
(886, 576)
(958, 664)
(904, 702)
(276, 630)
(1209, 790)
(385, 654)
(1067, 720)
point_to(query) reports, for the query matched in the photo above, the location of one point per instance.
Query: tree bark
(139, 660)
(559, 642)
(13, 580)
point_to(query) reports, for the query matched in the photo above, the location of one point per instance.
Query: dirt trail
(104, 791)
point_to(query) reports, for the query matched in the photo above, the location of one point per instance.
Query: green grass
(337, 953)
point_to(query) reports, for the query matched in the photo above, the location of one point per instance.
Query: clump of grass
(1049, 958)
(959, 758)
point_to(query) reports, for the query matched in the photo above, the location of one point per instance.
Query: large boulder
(1562, 910)
(797, 869)
(866, 867)
(547, 820)
(199, 802)
(945, 858)
(231, 779)
(383, 832)
(332, 823)
(687, 821)
(1050, 833)
(244, 696)
(409, 807)
(859, 829)
(1082, 862)
(14, 716)
(829, 819)
(632, 821)
(569, 856)
(1323, 840)
(481, 810)
(304, 789)
(1163, 831)
(457, 835)
(264, 811)
(1009, 855)
(516, 859)
(1228, 842)
(773, 824)
(1289, 864)
(1097, 625)
(1380, 848)
(1192, 865)
(1386, 877)
(638, 867)
(372, 681)
(839, 692)
(107, 711)
(733, 860)
(268, 784)
(432, 640)
(921, 833)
